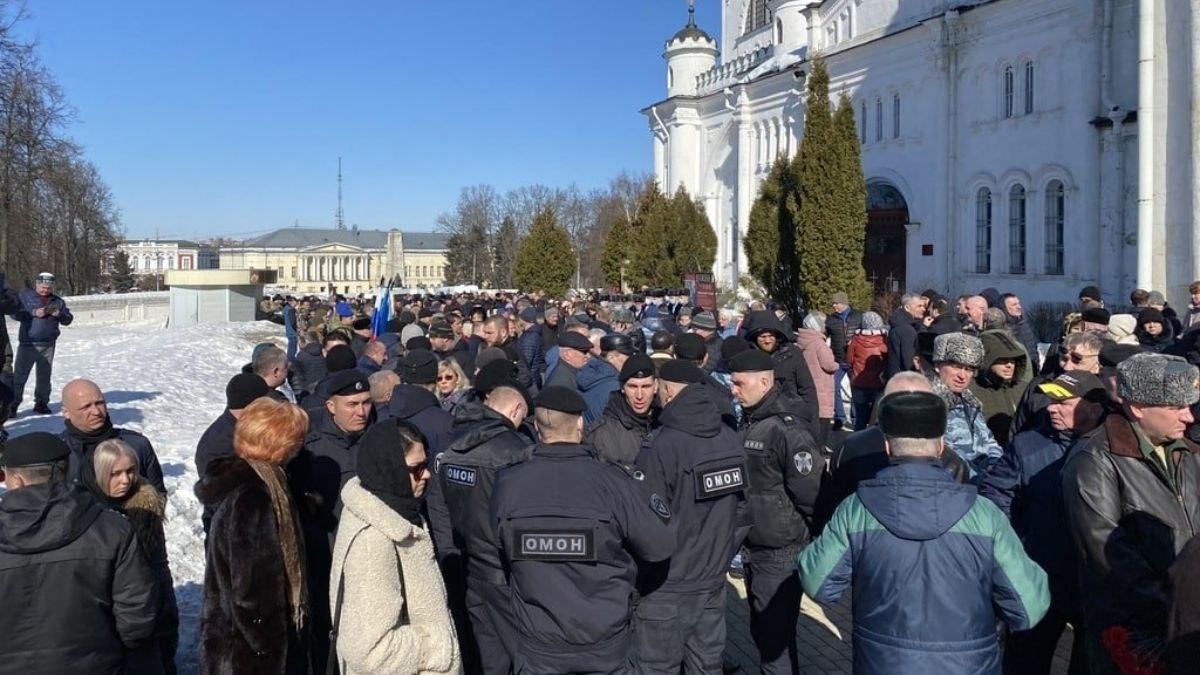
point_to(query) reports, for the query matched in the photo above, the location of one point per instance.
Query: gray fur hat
(958, 348)
(1158, 380)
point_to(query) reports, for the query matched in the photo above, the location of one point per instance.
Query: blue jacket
(931, 565)
(289, 321)
(596, 380)
(40, 330)
(419, 407)
(530, 346)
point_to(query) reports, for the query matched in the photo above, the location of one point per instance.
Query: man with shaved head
(87, 425)
(862, 455)
(976, 307)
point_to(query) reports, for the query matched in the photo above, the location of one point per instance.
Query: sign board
(701, 289)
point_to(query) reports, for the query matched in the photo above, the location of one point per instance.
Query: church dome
(691, 32)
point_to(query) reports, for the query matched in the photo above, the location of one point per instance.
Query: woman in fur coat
(392, 616)
(255, 616)
(113, 479)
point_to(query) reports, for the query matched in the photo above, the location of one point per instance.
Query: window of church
(847, 29)
(895, 115)
(878, 120)
(759, 15)
(862, 120)
(983, 231)
(779, 31)
(1028, 87)
(670, 77)
(831, 36)
(1055, 220)
(1009, 93)
(1016, 230)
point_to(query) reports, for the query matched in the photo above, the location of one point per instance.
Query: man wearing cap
(704, 324)
(933, 566)
(530, 346)
(316, 475)
(1089, 296)
(484, 441)
(574, 350)
(697, 465)
(1095, 320)
(86, 424)
(41, 314)
(217, 439)
(570, 530)
(415, 400)
(691, 347)
(764, 330)
(956, 359)
(1027, 485)
(630, 415)
(447, 346)
(1131, 498)
(550, 327)
(783, 473)
(79, 593)
(599, 379)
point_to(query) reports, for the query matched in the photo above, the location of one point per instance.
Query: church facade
(1000, 138)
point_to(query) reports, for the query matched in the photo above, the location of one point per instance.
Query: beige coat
(371, 638)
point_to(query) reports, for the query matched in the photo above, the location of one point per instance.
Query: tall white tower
(689, 53)
(790, 28)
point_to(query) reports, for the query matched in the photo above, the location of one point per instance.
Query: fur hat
(872, 321)
(1158, 380)
(958, 348)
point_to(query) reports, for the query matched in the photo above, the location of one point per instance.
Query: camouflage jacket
(966, 429)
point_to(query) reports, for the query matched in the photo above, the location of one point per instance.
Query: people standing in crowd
(271, 364)
(631, 413)
(866, 354)
(956, 359)
(823, 367)
(1078, 351)
(530, 346)
(600, 378)
(217, 440)
(415, 400)
(447, 346)
(766, 332)
(388, 602)
(78, 590)
(290, 329)
(452, 384)
(573, 608)
(1000, 381)
(1018, 324)
(697, 467)
(840, 327)
(1156, 300)
(704, 324)
(41, 314)
(904, 325)
(496, 334)
(783, 477)
(383, 384)
(976, 307)
(308, 365)
(87, 424)
(574, 350)
(1154, 332)
(257, 614)
(1192, 318)
(962, 565)
(1131, 490)
(662, 345)
(939, 320)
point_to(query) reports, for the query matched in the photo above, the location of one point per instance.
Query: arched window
(983, 231)
(778, 31)
(878, 119)
(1028, 87)
(1056, 202)
(1009, 93)
(895, 115)
(758, 15)
(862, 120)
(1016, 230)
(670, 76)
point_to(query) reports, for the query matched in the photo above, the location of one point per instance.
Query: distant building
(349, 261)
(156, 256)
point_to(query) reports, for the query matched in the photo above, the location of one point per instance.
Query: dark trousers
(493, 626)
(1031, 652)
(863, 401)
(674, 630)
(292, 345)
(28, 356)
(773, 591)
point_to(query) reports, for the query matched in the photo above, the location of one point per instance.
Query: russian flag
(383, 313)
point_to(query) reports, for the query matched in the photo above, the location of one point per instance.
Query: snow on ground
(169, 384)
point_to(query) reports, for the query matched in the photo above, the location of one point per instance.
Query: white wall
(91, 310)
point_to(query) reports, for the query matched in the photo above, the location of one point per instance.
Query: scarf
(94, 438)
(287, 525)
(383, 472)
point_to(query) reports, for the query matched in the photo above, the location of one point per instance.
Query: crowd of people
(513, 483)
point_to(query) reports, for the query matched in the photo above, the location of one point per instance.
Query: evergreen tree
(122, 273)
(616, 251)
(504, 253)
(691, 241)
(467, 257)
(771, 236)
(832, 213)
(649, 264)
(545, 260)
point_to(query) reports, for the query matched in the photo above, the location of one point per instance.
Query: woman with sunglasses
(386, 592)
(452, 385)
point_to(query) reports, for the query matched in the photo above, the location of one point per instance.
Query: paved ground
(824, 636)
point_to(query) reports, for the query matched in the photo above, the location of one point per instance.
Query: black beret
(569, 339)
(244, 389)
(680, 371)
(912, 414)
(690, 346)
(419, 366)
(562, 399)
(751, 361)
(339, 358)
(362, 323)
(1096, 315)
(616, 342)
(36, 448)
(418, 342)
(637, 365)
(734, 345)
(348, 383)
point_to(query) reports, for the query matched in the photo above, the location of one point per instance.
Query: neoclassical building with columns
(351, 261)
(1032, 145)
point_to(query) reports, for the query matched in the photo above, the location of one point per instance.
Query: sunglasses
(418, 469)
(447, 378)
(1076, 357)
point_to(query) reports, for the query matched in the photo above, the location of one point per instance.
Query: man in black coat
(87, 425)
(905, 323)
(495, 334)
(414, 400)
(630, 414)
(78, 590)
(217, 439)
(447, 346)
(764, 330)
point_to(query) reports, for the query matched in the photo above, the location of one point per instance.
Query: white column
(745, 193)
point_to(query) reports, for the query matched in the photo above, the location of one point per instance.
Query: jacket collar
(372, 511)
(1123, 440)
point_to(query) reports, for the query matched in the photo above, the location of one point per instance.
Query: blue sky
(227, 117)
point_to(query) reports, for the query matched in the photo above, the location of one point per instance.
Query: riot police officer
(784, 476)
(570, 525)
(697, 464)
(630, 415)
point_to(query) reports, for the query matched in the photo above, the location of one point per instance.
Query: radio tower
(340, 217)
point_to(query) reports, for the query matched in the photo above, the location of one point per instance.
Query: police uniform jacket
(619, 433)
(697, 464)
(570, 525)
(317, 473)
(483, 443)
(784, 474)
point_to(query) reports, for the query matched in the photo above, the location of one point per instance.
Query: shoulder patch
(721, 481)
(803, 461)
(754, 445)
(437, 462)
(568, 545)
(461, 475)
(659, 505)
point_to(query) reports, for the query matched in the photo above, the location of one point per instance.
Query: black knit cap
(680, 371)
(690, 346)
(734, 345)
(561, 399)
(751, 361)
(33, 449)
(418, 342)
(1089, 292)
(244, 389)
(362, 323)
(419, 366)
(339, 358)
(1096, 315)
(912, 414)
(637, 365)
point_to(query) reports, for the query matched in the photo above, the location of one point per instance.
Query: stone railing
(727, 73)
(91, 310)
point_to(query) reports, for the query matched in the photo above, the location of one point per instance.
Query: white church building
(1001, 139)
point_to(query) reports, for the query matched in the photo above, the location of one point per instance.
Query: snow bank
(168, 384)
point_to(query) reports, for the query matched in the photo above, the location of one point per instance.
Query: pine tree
(122, 273)
(832, 213)
(545, 260)
(616, 252)
(649, 265)
(691, 242)
(504, 253)
(771, 236)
